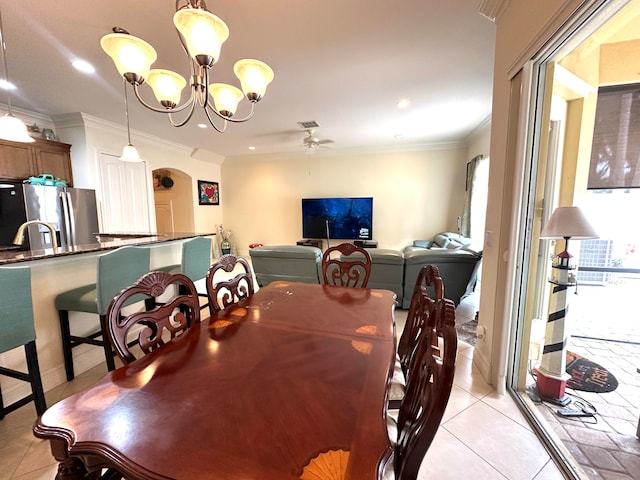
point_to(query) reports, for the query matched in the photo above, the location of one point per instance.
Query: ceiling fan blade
(324, 142)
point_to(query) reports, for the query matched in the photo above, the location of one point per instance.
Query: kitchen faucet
(18, 239)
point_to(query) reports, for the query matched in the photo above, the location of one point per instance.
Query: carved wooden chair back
(351, 269)
(161, 323)
(428, 390)
(224, 290)
(419, 312)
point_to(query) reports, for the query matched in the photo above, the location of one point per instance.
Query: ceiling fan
(311, 141)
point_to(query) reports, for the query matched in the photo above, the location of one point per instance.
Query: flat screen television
(342, 218)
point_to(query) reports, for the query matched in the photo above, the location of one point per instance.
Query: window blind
(615, 152)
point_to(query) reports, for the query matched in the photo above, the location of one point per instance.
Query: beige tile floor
(483, 435)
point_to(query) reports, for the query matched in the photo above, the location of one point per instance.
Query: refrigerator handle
(72, 220)
(68, 241)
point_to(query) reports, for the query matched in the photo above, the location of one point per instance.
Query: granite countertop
(105, 241)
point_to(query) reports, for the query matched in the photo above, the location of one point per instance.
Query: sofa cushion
(458, 269)
(387, 270)
(293, 263)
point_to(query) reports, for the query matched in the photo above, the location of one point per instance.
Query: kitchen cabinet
(19, 161)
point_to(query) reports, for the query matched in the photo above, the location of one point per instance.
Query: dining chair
(195, 262)
(16, 325)
(115, 270)
(156, 326)
(224, 289)
(351, 269)
(427, 393)
(420, 309)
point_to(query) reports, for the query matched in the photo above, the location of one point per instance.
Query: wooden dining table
(289, 383)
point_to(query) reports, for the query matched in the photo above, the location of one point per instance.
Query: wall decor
(208, 193)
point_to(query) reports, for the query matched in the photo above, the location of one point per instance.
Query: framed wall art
(208, 193)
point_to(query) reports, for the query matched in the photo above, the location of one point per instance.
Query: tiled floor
(483, 435)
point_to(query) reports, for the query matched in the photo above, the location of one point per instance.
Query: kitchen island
(104, 242)
(71, 267)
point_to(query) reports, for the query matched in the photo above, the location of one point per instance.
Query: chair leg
(34, 375)
(106, 344)
(65, 331)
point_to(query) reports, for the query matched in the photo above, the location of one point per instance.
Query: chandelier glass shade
(201, 34)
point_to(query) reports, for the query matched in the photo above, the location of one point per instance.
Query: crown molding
(492, 9)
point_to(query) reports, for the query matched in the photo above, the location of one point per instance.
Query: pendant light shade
(130, 154)
(14, 129)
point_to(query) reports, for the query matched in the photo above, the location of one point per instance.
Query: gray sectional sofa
(394, 270)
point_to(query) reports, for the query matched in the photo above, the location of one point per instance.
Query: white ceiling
(342, 63)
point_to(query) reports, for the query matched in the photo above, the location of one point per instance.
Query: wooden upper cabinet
(19, 161)
(16, 160)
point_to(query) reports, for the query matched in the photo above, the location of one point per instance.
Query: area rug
(588, 376)
(467, 332)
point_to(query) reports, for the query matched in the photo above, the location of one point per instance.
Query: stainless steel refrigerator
(70, 211)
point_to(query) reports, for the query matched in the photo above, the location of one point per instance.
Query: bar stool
(196, 260)
(16, 325)
(115, 270)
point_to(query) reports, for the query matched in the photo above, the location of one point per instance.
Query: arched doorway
(173, 199)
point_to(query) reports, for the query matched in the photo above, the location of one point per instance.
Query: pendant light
(129, 152)
(11, 128)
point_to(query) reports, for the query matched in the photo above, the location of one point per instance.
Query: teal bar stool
(16, 327)
(115, 270)
(196, 260)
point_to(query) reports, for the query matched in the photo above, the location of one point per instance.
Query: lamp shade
(167, 86)
(254, 76)
(132, 55)
(130, 154)
(225, 98)
(14, 129)
(568, 222)
(203, 32)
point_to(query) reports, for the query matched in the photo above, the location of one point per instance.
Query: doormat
(588, 376)
(467, 332)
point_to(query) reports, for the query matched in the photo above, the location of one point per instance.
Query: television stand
(310, 243)
(366, 243)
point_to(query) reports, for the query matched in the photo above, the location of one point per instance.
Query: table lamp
(551, 379)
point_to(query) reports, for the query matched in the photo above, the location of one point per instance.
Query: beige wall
(416, 194)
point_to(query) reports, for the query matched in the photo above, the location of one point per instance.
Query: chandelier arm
(162, 110)
(188, 117)
(232, 120)
(218, 129)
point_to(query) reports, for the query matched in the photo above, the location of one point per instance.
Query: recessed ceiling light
(252, 147)
(202, 125)
(83, 66)
(7, 85)
(403, 103)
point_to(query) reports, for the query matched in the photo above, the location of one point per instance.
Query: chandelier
(201, 34)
